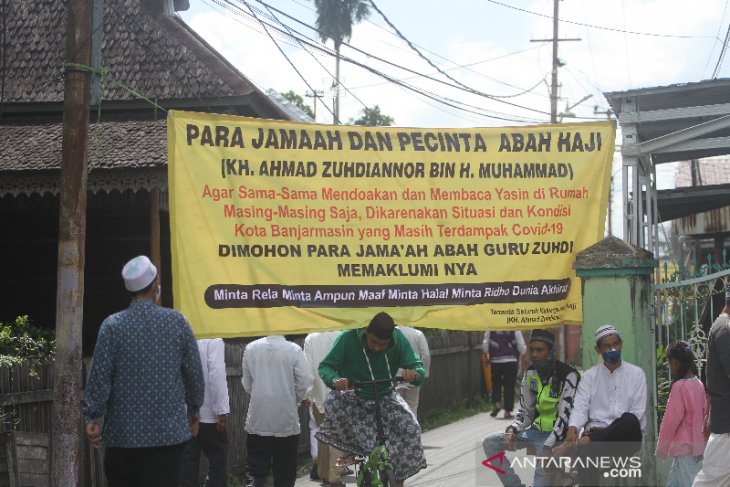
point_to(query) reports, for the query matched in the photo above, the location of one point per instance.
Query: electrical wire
(590, 47)
(458, 105)
(599, 27)
(446, 101)
(322, 66)
(722, 54)
(436, 67)
(400, 66)
(283, 53)
(717, 36)
(417, 51)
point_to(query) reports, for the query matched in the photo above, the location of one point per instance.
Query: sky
(495, 75)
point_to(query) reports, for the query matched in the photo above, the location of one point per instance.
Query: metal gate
(686, 306)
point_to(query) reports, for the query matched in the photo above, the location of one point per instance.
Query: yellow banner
(282, 227)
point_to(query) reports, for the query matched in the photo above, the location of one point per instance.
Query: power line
(422, 92)
(282, 51)
(717, 36)
(437, 68)
(317, 61)
(468, 68)
(304, 41)
(417, 51)
(400, 66)
(722, 54)
(593, 26)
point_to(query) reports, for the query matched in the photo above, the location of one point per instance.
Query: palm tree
(334, 21)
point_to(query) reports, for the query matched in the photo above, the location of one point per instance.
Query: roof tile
(112, 145)
(138, 50)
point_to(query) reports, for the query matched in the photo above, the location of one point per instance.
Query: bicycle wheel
(388, 478)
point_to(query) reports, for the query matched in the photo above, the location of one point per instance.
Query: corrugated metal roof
(665, 112)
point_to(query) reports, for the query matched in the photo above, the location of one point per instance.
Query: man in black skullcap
(375, 352)
(548, 388)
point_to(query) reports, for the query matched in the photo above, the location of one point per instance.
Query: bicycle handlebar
(360, 383)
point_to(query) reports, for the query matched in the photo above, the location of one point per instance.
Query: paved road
(453, 454)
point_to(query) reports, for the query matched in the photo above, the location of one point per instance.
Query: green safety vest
(548, 397)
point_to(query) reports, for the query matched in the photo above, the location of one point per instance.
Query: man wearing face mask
(548, 388)
(610, 404)
(147, 382)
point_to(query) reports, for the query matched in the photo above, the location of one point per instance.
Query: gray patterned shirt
(145, 377)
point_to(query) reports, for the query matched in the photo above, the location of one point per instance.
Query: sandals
(346, 460)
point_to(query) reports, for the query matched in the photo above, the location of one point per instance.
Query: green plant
(377, 462)
(21, 340)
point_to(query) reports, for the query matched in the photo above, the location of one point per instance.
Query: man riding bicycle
(372, 353)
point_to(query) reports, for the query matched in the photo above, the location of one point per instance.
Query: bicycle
(375, 469)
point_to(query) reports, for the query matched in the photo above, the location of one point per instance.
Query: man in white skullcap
(146, 381)
(610, 406)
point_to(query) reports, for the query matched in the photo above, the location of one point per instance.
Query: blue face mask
(612, 357)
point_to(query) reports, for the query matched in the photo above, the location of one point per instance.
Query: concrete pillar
(617, 289)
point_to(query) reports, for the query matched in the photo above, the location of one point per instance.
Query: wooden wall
(26, 396)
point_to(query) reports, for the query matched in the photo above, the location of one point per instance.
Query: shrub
(21, 340)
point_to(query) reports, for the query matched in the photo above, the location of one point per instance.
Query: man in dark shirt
(147, 382)
(546, 401)
(716, 468)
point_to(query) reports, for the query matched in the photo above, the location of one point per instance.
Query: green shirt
(346, 359)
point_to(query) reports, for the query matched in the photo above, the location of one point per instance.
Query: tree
(334, 21)
(372, 118)
(299, 102)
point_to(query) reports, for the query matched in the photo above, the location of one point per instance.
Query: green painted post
(616, 288)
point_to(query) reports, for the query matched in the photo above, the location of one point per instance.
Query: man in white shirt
(212, 437)
(610, 405)
(324, 456)
(409, 392)
(276, 375)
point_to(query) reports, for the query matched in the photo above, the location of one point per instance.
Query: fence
(26, 396)
(686, 306)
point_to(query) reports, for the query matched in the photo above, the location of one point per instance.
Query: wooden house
(155, 62)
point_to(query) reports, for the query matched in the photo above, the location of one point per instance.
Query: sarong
(350, 426)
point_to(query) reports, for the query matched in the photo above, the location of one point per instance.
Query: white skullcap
(138, 273)
(606, 330)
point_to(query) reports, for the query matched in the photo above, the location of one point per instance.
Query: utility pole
(554, 119)
(315, 94)
(66, 440)
(556, 63)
